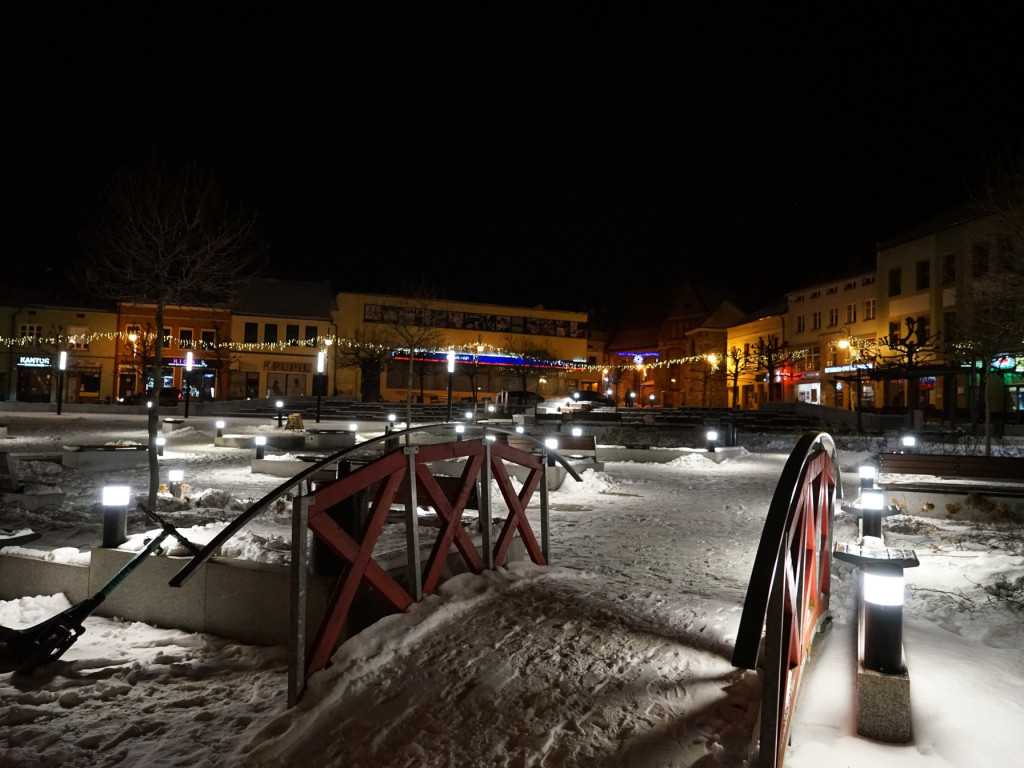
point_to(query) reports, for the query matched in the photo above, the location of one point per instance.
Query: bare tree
(737, 363)
(410, 325)
(907, 352)
(990, 316)
(368, 351)
(165, 236)
(527, 359)
(770, 354)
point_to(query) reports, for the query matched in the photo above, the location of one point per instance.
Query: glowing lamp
(115, 499)
(161, 441)
(261, 445)
(712, 438)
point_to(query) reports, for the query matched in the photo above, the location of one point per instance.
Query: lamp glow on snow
(161, 441)
(220, 428)
(174, 478)
(868, 473)
(261, 445)
(115, 499)
(712, 437)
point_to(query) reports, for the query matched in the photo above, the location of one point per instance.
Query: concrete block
(145, 595)
(170, 425)
(334, 439)
(883, 699)
(29, 576)
(32, 500)
(102, 460)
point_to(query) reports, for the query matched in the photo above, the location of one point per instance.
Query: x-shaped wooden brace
(359, 556)
(516, 504)
(450, 514)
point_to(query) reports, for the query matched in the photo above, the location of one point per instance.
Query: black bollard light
(261, 445)
(280, 422)
(116, 497)
(883, 618)
(712, 438)
(161, 441)
(220, 428)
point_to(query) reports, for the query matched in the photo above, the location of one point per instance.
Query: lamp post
(188, 380)
(115, 500)
(319, 381)
(476, 371)
(62, 364)
(451, 380)
(279, 405)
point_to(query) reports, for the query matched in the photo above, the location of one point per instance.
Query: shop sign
(33, 361)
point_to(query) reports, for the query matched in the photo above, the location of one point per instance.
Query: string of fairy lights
(145, 341)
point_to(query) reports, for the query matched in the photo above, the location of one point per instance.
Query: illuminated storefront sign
(33, 361)
(848, 368)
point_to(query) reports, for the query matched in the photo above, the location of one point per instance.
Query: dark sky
(567, 154)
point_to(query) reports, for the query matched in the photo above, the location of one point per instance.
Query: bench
(1009, 468)
(976, 485)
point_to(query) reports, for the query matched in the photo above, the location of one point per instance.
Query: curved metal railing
(788, 594)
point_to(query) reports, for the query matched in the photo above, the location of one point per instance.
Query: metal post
(412, 529)
(299, 587)
(187, 378)
(61, 365)
(451, 380)
(545, 543)
(485, 508)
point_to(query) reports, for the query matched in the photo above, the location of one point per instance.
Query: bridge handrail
(182, 576)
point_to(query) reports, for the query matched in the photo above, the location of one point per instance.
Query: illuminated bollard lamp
(161, 443)
(115, 499)
(872, 508)
(261, 445)
(882, 588)
(712, 438)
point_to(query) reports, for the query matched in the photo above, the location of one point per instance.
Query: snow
(616, 655)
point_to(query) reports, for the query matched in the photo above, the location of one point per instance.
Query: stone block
(29, 576)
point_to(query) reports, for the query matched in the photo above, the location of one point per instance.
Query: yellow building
(38, 329)
(495, 348)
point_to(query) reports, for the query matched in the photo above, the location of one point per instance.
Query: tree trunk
(153, 417)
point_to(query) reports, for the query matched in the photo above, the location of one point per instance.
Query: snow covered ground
(616, 655)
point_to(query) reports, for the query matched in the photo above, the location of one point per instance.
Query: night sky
(568, 154)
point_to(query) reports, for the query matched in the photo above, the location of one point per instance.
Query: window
(833, 289)
(813, 358)
(32, 331)
(949, 269)
(833, 317)
(270, 333)
(924, 275)
(185, 338)
(208, 338)
(815, 294)
(291, 333)
(895, 334)
(167, 338)
(894, 281)
(868, 280)
(815, 321)
(800, 324)
(250, 335)
(77, 337)
(312, 332)
(870, 308)
(851, 313)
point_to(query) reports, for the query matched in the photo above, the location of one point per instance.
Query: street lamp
(319, 381)
(451, 380)
(188, 379)
(62, 364)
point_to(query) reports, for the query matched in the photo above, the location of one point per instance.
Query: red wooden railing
(789, 588)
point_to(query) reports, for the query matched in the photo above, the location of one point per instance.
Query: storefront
(35, 379)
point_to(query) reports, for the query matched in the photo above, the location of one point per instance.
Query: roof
(947, 220)
(284, 298)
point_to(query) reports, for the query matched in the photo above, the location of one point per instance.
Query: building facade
(495, 348)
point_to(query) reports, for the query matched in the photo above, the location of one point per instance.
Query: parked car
(585, 400)
(169, 396)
